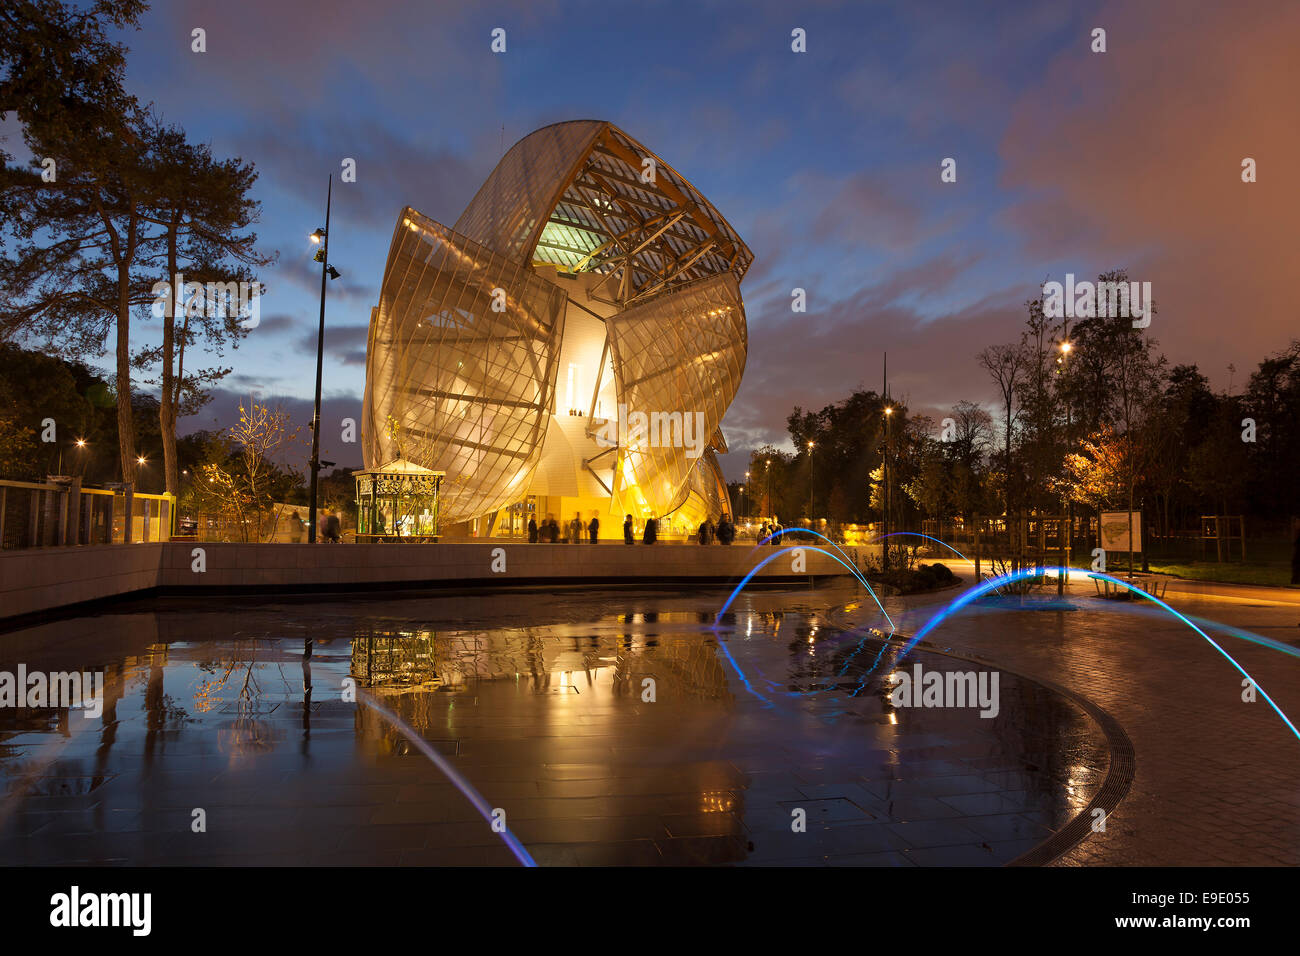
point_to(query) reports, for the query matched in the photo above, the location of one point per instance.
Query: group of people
(774, 530)
(724, 532)
(549, 530)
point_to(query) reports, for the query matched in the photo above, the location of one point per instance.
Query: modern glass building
(569, 347)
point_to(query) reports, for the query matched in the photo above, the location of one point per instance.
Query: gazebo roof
(398, 466)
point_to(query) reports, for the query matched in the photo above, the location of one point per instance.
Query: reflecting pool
(597, 728)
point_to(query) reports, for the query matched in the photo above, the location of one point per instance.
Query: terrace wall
(43, 579)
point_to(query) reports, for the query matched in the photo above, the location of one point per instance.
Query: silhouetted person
(776, 534)
(329, 528)
(593, 529)
(553, 530)
(703, 534)
(628, 537)
(575, 530)
(651, 531)
(726, 530)
(532, 530)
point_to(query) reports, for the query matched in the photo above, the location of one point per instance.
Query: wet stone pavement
(1217, 779)
(251, 718)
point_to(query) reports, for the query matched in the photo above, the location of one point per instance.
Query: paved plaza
(1217, 780)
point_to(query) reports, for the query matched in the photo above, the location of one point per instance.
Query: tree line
(113, 204)
(1088, 412)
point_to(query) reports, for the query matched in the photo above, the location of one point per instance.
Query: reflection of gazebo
(398, 502)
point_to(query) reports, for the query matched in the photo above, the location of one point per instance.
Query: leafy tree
(130, 198)
(77, 271)
(769, 478)
(1097, 473)
(930, 489)
(204, 212)
(1272, 399)
(35, 388)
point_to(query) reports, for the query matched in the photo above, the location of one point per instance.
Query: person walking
(296, 527)
(726, 530)
(651, 530)
(762, 532)
(329, 528)
(532, 530)
(575, 529)
(593, 529)
(703, 533)
(628, 537)
(776, 533)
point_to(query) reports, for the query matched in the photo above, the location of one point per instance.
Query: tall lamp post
(321, 236)
(744, 505)
(1064, 362)
(767, 484)
(810, 484)
(885, 502)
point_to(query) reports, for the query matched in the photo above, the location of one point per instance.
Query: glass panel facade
(680, 354)
(465, 346)
(461, 366)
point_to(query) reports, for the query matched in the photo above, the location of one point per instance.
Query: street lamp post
(885, 496)
(1064, 360)
(321, 236)
(810, 484)
(767, 484)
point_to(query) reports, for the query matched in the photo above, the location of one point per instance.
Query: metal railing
(61, 513)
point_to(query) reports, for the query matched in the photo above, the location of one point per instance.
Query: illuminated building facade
(568, 347)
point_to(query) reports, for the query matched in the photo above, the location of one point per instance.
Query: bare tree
(246, 484)
(1006, 366)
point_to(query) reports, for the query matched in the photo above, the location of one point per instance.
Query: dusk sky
(827, 163)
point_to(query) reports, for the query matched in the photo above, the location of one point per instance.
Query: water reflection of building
(418, 668)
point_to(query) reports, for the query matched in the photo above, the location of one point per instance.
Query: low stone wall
(38, 579)
(43, 579)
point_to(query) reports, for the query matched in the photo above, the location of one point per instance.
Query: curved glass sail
(586, 285)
